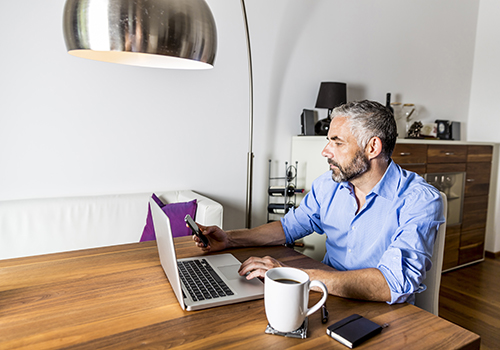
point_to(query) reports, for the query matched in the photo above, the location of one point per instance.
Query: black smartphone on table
(196, 230)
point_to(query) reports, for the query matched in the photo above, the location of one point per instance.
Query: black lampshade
(331, 95)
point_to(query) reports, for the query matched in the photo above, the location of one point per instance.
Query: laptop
(220, 283)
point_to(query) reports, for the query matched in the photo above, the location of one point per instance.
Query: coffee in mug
(287, 281)
(286, 298)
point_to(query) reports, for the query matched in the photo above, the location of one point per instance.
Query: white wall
(484, 115)
(420, 51)
(69, 126)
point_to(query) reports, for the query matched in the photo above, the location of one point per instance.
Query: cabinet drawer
(446, 154)
(477, 182)
(479, 154)
(474, 213)
(410, 154)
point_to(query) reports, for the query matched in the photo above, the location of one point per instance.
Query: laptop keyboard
(201, 281)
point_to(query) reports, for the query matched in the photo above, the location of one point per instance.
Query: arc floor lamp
(178, 34)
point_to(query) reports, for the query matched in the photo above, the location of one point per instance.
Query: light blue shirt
(394, 231)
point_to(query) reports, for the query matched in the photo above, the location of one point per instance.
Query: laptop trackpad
(230, 271)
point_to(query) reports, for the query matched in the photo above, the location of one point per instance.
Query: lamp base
(322, 126)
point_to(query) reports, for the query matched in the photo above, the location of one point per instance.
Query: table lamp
(330, 95)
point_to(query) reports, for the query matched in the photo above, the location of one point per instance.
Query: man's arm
(365, 284)
(268, 234)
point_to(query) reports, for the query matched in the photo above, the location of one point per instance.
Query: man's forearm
(268, 234)
(365, 284)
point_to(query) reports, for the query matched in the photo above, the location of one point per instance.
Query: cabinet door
(472, 237)
(451, 247)
(471, 246)
(477, 182)
(474, 213)
(479, 154)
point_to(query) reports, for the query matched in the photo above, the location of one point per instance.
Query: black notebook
(353, 330)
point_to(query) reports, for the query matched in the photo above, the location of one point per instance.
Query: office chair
(429, 299)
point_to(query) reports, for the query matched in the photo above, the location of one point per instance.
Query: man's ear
(373, 148)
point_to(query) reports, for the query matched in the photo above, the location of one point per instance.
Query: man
(380, 220)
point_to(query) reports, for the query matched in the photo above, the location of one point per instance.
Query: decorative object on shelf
(414, 131)
(443, 129)
(179, 34)
(330, 95)
(397, 108)
(448, 130)
(410, 112)
(455, 131)
(388, 102)
(307, 121)
(429, 130)
(281, 198)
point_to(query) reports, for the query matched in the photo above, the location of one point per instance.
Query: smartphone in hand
(196, 230)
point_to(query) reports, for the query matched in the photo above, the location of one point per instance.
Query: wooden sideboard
(464, 242)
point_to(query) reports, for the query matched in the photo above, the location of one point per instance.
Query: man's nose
(327, 152)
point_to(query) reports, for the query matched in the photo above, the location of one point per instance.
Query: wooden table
(119, 298)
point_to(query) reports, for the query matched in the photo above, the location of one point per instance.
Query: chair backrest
(429, 299)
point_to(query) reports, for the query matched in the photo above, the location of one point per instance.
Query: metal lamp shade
(178, 34)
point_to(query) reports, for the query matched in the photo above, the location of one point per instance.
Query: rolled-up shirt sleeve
(408, 257)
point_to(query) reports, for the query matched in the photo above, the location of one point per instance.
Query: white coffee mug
(286, 298)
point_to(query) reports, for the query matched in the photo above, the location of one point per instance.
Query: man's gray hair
(370, 119)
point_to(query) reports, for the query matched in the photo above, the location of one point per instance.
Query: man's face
(346, 159)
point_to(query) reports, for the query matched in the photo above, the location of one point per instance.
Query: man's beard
(358, 166)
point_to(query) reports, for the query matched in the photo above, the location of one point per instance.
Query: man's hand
(257, 267)
(217, 238)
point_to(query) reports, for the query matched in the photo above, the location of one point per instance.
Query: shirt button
(349, 250)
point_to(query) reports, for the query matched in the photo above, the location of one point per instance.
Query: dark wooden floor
(470, 297)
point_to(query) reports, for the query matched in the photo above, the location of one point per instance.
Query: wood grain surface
(119, 298)
(470, 297)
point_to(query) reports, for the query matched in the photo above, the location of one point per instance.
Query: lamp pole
(250, 155)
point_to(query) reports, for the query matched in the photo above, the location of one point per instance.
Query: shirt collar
(346, 184)
(387, 185)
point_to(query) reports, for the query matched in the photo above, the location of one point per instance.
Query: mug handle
(322, 286)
